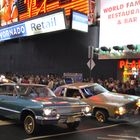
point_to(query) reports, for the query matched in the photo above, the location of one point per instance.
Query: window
(73, 93)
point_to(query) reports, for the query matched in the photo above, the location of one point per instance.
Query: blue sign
(13, 32)
(82, 18)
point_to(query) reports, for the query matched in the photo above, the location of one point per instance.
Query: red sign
(128, 64)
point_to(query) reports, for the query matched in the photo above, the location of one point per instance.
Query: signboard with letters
(48, 23)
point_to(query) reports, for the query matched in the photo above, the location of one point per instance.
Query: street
(89, 129)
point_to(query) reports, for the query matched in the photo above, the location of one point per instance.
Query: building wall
(65, 51)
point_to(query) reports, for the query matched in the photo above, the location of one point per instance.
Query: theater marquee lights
(31, 8)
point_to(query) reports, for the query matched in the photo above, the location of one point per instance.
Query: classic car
(104, 104)
(35, 105)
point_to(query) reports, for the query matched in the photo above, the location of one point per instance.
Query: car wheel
(30, 124)
(73, 125)
(101, 116)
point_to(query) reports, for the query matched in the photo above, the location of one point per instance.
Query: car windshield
(93, 90)
(34, 91)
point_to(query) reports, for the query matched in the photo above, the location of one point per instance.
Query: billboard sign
(119, 26)
(8, 12)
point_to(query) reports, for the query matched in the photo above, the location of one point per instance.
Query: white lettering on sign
(12, 32)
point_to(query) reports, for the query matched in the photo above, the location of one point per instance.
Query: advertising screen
(8, 12)
(79, 21)
(119, 26)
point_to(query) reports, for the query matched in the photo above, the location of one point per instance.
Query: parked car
(35, 105)
(105, 104)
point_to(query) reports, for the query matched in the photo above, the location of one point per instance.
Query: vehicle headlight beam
(121, 110)
(138, 103)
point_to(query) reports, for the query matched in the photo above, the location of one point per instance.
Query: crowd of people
(131, 86)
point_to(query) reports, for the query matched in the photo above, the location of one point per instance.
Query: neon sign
(31, 8)
(128, 64)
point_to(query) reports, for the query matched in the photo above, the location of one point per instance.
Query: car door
(8, 101)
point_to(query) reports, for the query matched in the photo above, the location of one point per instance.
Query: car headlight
(47, 111)
(50, 112)
(86, 109)
(138, 103)
(121, 110)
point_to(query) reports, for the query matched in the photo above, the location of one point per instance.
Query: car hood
(114, 98)
(58, 101)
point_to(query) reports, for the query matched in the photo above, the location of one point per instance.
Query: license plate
(72, 119)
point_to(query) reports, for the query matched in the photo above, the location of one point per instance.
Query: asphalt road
(89, 129)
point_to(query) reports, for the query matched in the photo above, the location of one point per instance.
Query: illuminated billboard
(43, 24)
(31, 8)
(19, 10)
(8, 12)
(119, 28)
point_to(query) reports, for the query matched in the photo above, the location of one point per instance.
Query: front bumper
(58, 119)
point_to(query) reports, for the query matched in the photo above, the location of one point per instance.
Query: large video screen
(8, 12)
(119, 24)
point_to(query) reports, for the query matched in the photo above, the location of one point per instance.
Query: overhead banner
(119, 23)
(48, 23)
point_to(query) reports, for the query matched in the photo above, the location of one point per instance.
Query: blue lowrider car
(35, 105)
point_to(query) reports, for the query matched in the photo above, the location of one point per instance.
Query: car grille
(67, 110)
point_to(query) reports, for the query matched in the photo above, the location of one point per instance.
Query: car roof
(27, 84)
(11, 84)
(24, 84)
(78, 85)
